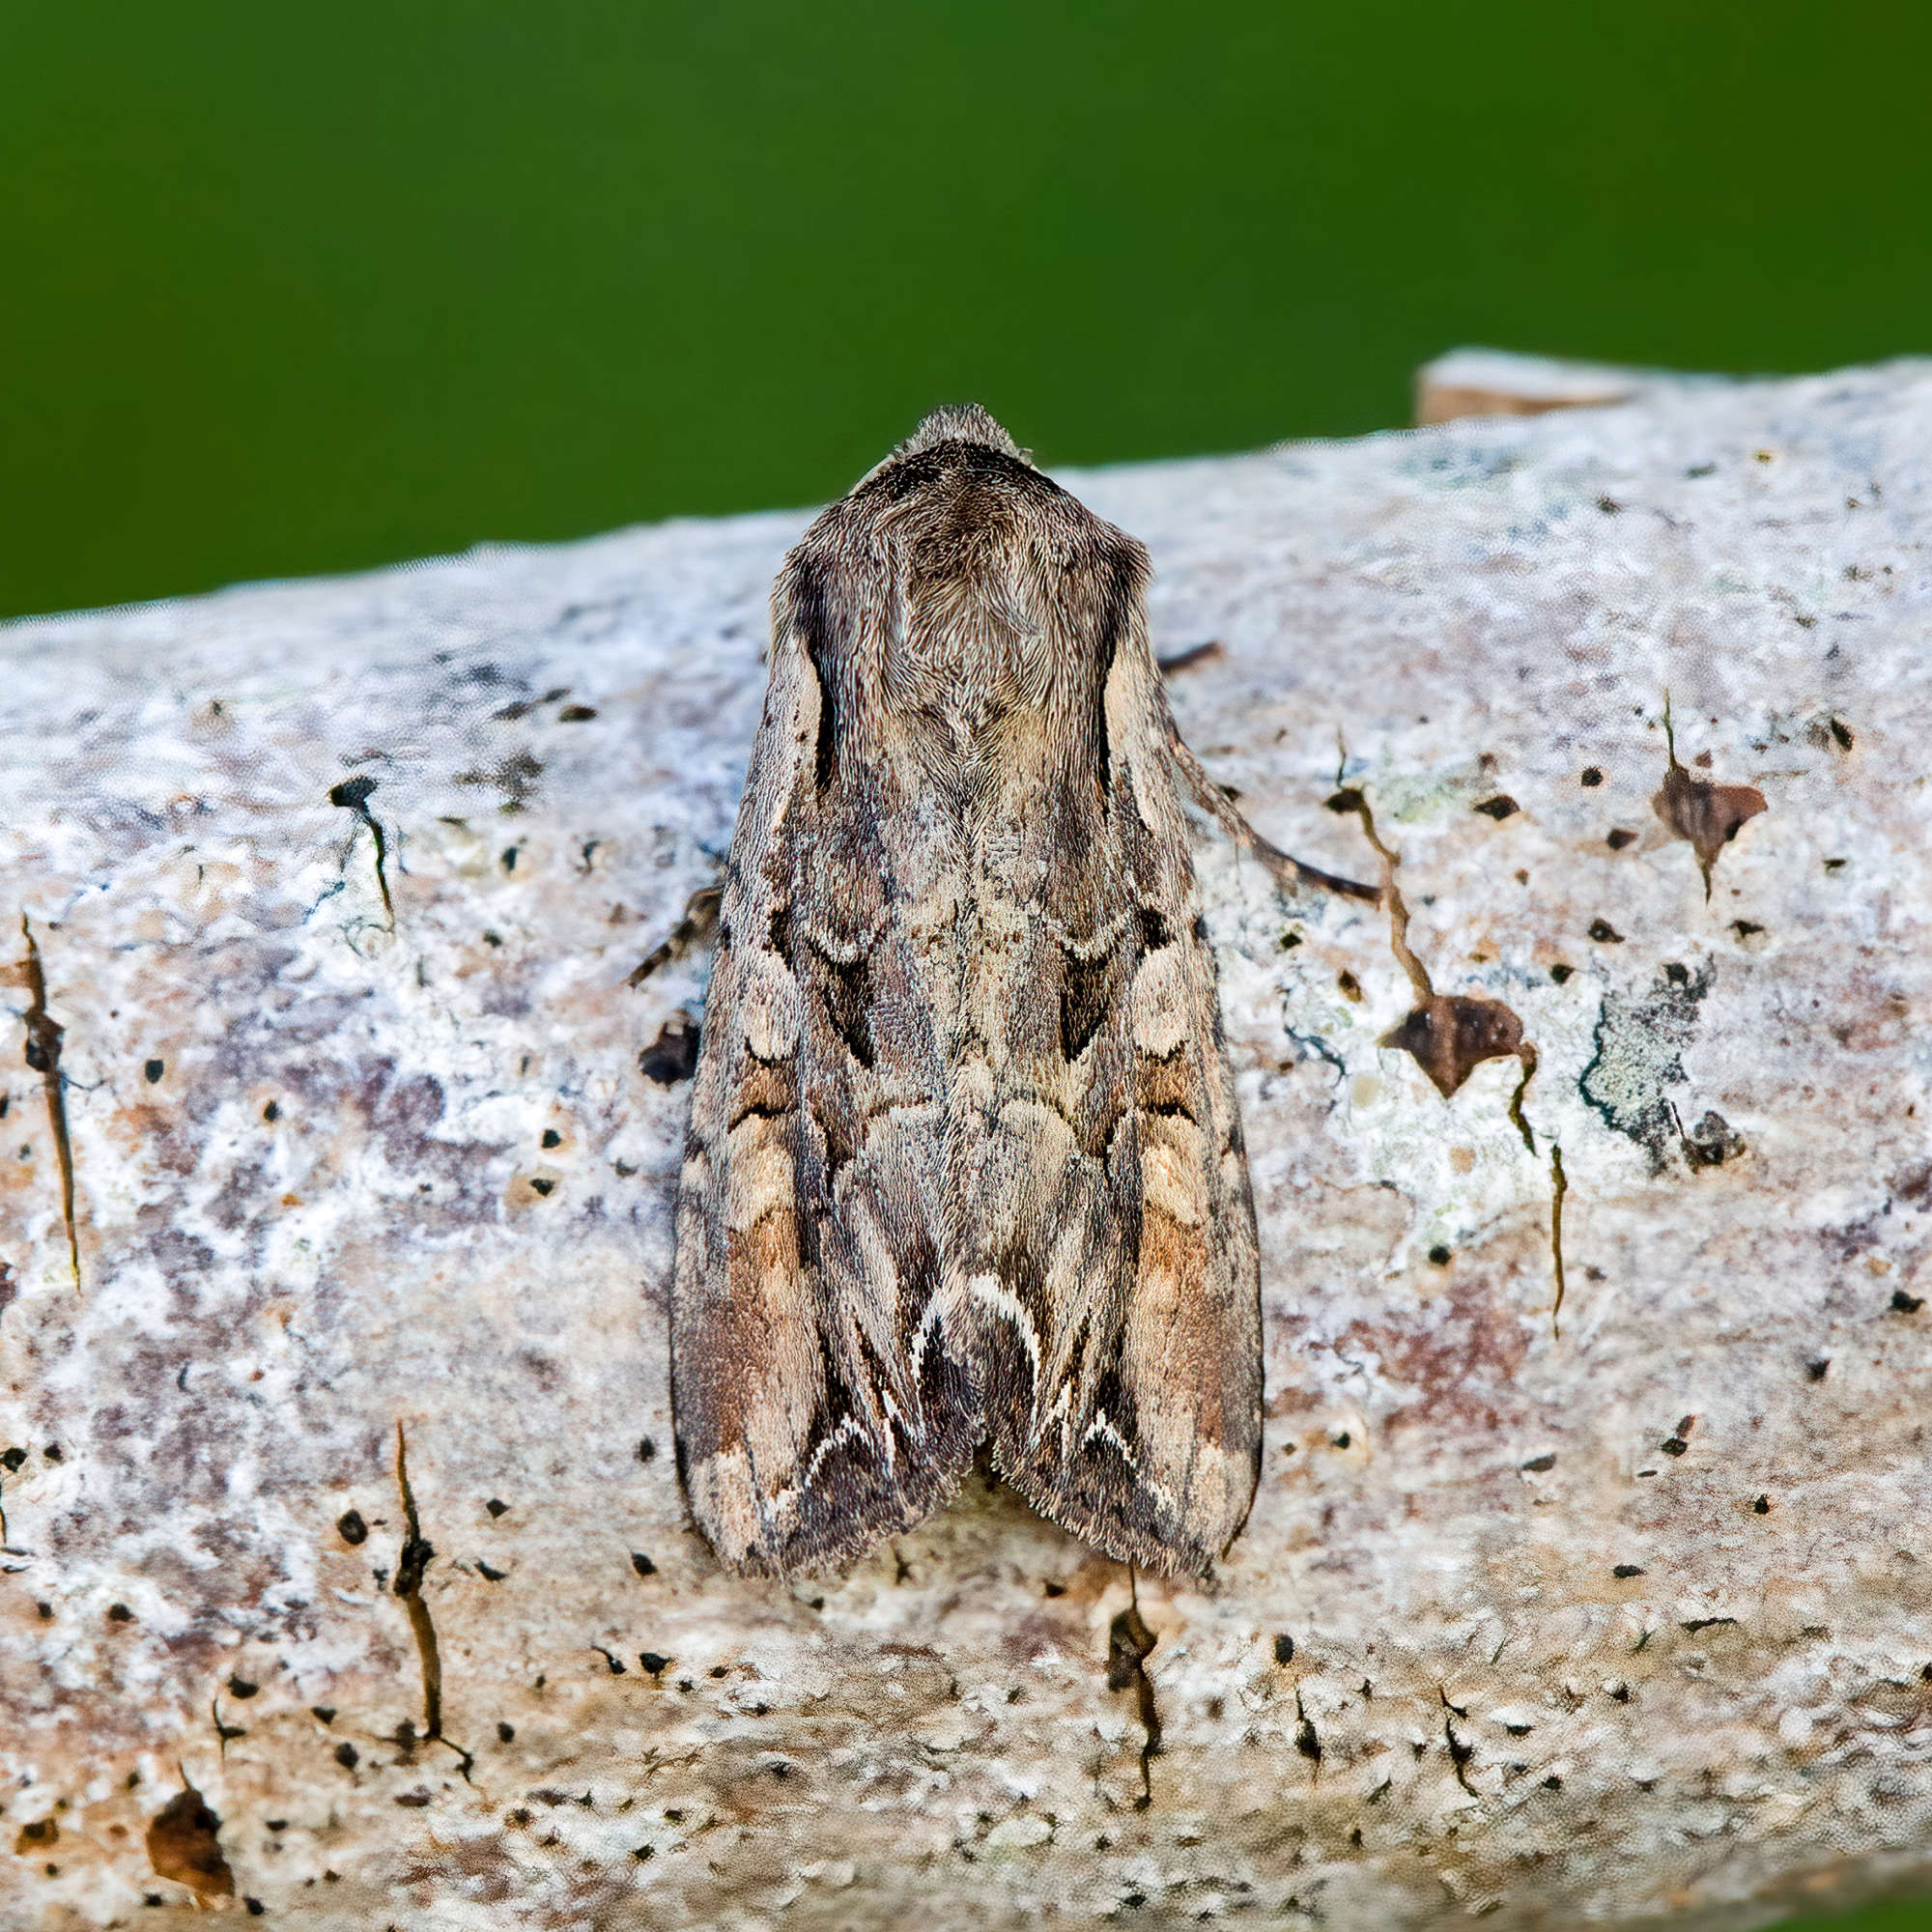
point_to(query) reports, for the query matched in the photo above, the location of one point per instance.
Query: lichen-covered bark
(335, 890)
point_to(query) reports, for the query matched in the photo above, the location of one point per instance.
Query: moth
(964, 1164)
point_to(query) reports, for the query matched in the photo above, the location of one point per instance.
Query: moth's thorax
(968, 622)
(969, 644)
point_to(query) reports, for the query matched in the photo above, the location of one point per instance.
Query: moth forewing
(964, 1160)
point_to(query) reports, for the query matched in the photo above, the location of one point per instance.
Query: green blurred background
(286, 290)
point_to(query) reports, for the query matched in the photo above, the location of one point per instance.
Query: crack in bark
(44, 1054)
(413, 1562)
(223, 1732)
(1449, 1036)
(1459, 1754)
(1559, 1186)
(352, 795)
(1129, 1643)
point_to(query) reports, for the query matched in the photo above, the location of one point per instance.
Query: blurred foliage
(1899, 1915)
(288, 291)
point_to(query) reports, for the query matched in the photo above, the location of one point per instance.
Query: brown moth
(964, 1162)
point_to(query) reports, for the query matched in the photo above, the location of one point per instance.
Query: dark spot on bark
(1345, 800)
(1673, 1445)
(52, 1452)
(1818, 1370)
(352, 793)
(1284, 1648)
(11, 1460)
(550, 1138)
(323, 1714)
(120, 1613)
(577, 714)
(1591, 775)
(1542, 1464)
(1561, 974)
(1696, 1624)
(240, 1686)
(541, 1186)
(488, 1574)
(1626, 1569)
(351, 1527)
(1306, 1740)
(271, 1112)
(1745, 928)
(1440, 1255)
(1341, 1440)
(653, 1663)
(414, 1800)
(1762, 1506)
(1452, 1033)
(646, 1450)
(1609, 506)
(1712, 1142)
(642, 1564)
(515, 776)
(614, 1664)
(672, 1055)
(1708, 816)
(184, 1845)
(1604, 933)
(497, 1508)
(1618, 838)
(1350, 987)
(153, 1070)
(1499, 808)
(1906, 1305)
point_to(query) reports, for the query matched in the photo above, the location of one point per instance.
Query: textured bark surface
(334, 890)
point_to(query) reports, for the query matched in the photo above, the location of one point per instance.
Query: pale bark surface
(1626, 1617)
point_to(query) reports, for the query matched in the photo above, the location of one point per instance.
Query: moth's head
(940, 444)
(961, 422)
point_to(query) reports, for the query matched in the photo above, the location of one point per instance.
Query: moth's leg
(1283, 868)
(699, 923)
